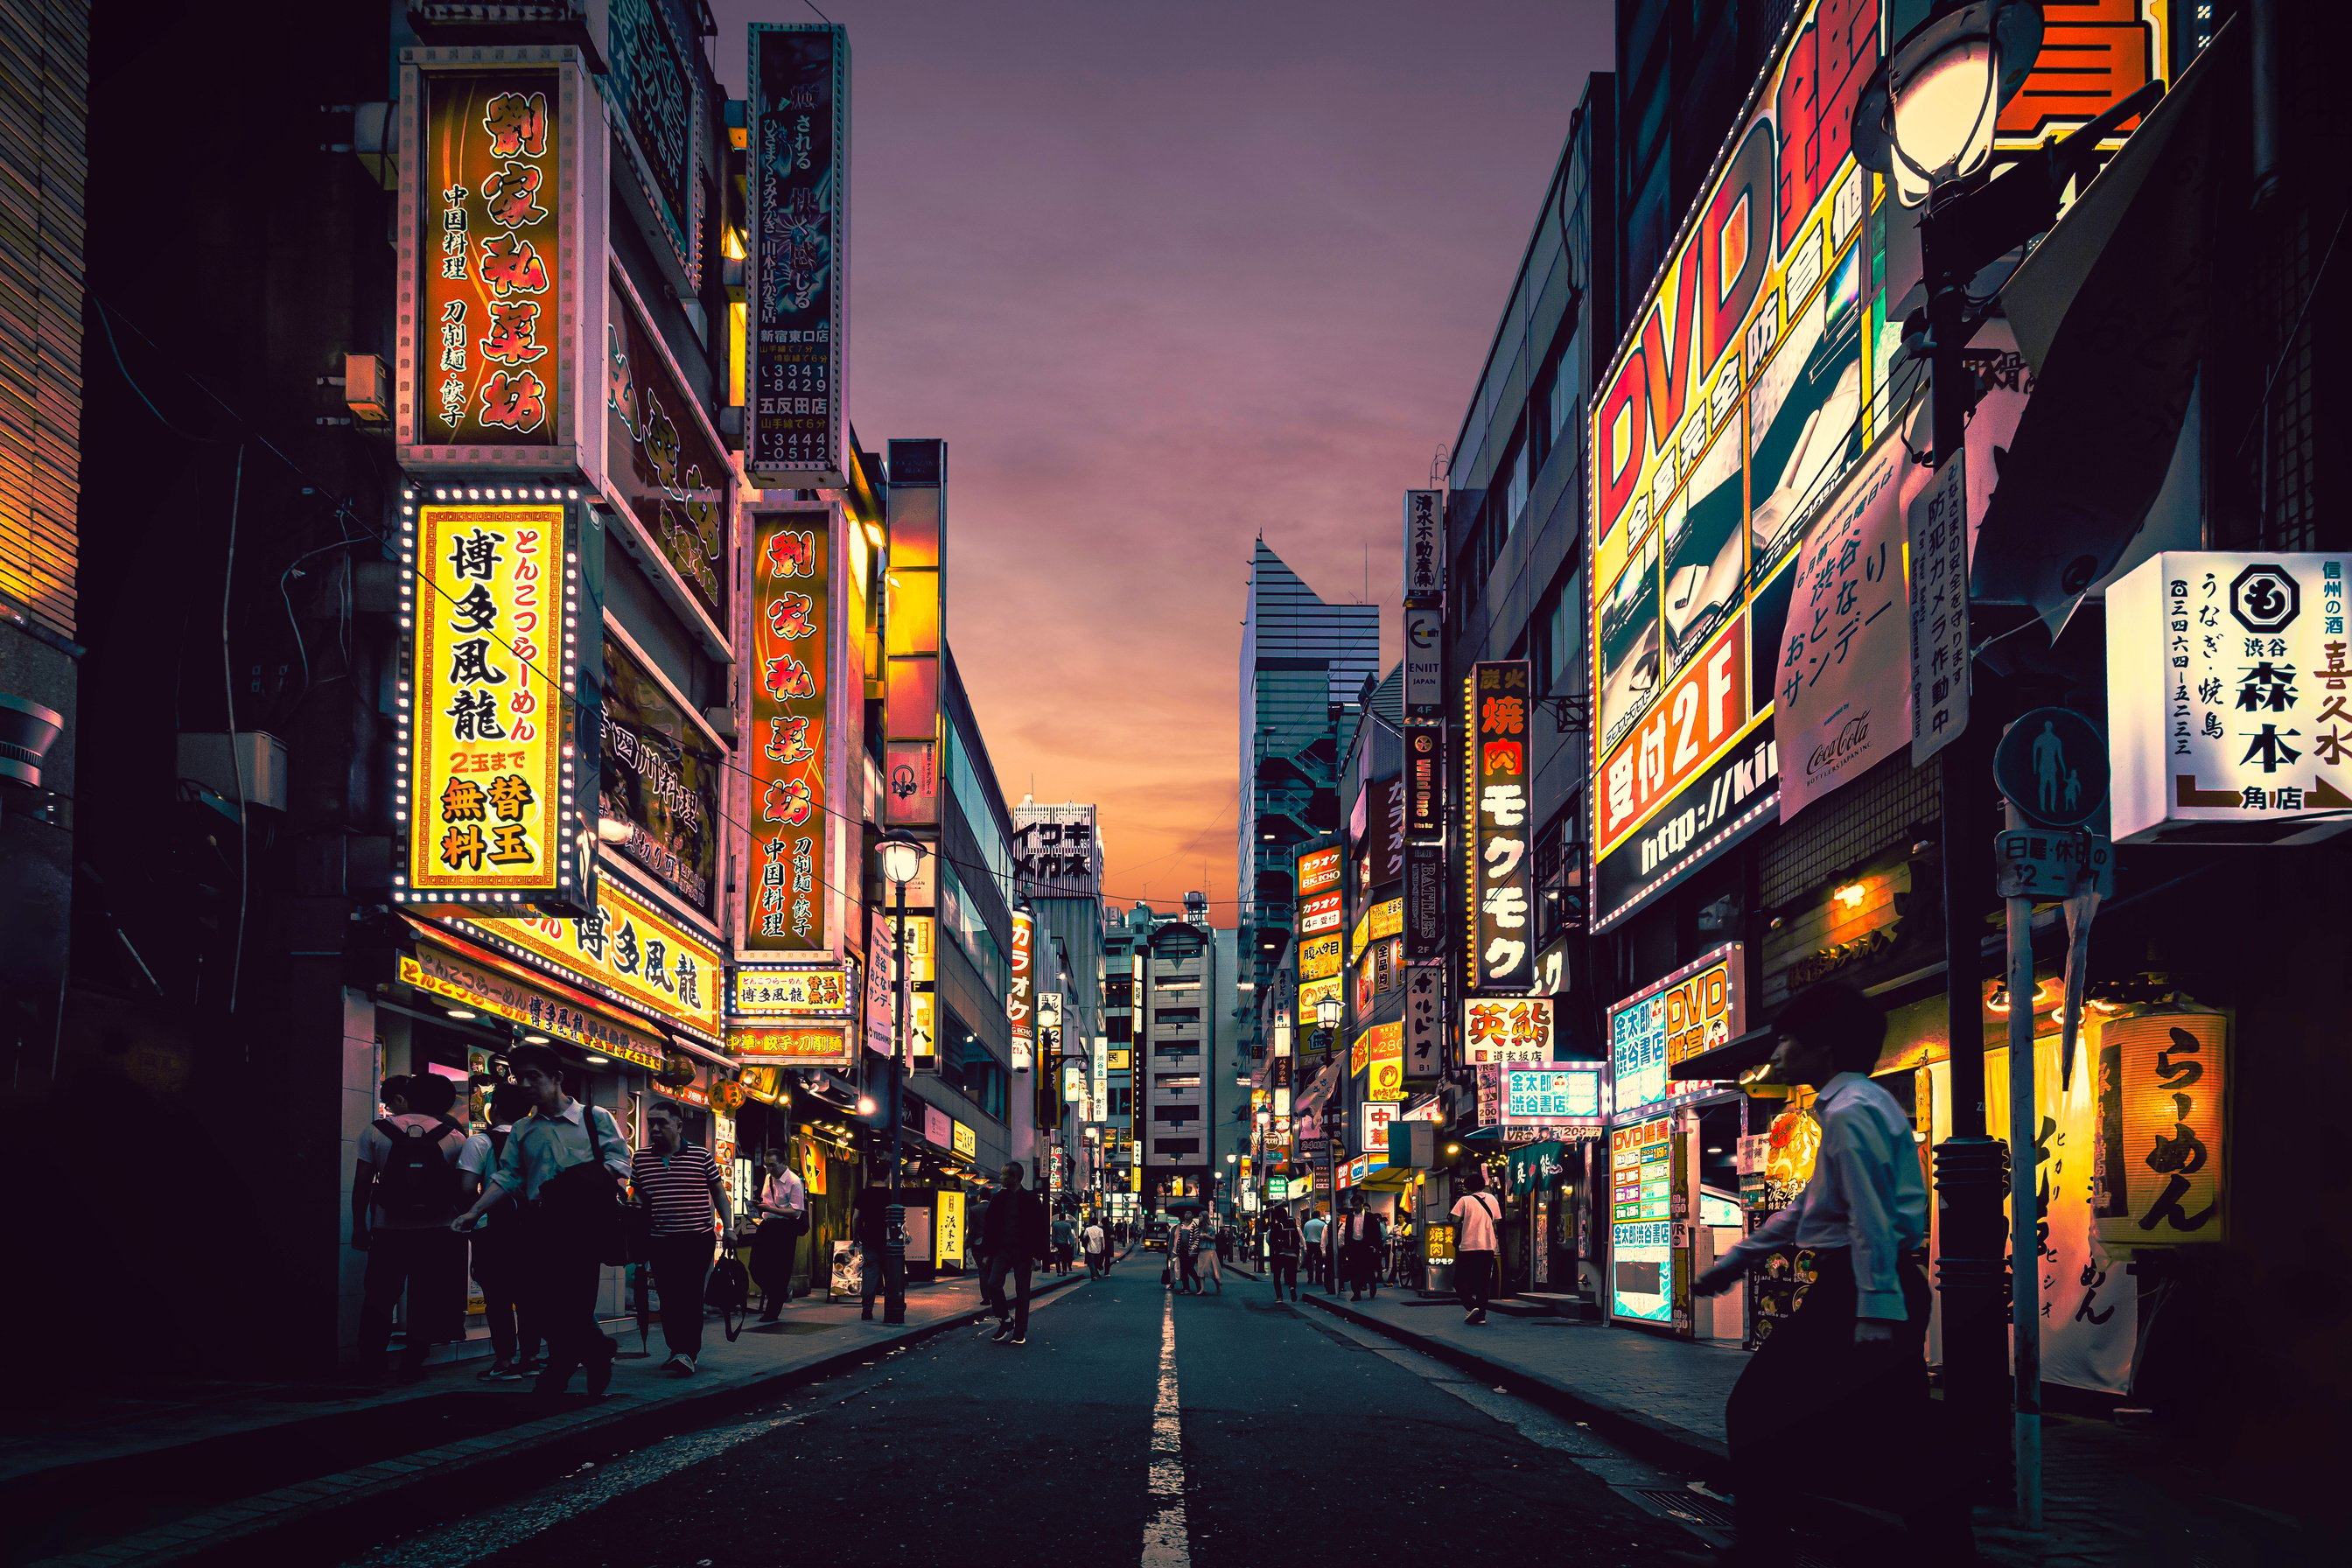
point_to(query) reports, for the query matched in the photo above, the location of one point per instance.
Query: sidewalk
(159, 1480)
(2113, 1499)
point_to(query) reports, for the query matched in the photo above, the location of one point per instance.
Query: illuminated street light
(1926, 119)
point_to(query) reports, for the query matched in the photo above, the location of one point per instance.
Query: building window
(1175, 1115)
(1175, 1148)
(1557, 639)
(1176, 1015)
(1515, 500)
(1179, 1080)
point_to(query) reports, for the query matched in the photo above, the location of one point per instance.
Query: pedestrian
(565, 1162)
(1335, 1232)
(1186, 1245)
(1363, 1247)
(784, 1220)
(1283, 1244)
(1839, 1388)
(1097, 1246)
(685, 1207)
(499, 1268)
(1476, 1213)
(1311, 1233)
(1211, 1260)
(883, 1272)
(404, 1190)
(1013, 1236)
(1066, 1241)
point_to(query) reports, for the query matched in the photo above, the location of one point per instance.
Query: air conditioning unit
(248, 766)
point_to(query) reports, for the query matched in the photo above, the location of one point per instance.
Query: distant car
(1156, 1235)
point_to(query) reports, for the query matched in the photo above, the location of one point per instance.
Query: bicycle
(730, 1291)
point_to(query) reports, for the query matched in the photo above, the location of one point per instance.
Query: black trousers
(681, 1266)
(775, 1251)
(884, 1276)
(502, 1271)
(1284, 1268)
(1813, 1406)
(430, 1265)
(1473, 1280)
(1000, 1266)
(561, 1298)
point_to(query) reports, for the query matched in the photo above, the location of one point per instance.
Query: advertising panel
(1424, 1022)
(1732, 797)
(627, 950)
(1557, 1095)
(949, 1228)
(1641, 1222)
(790, 740)
(487, 990)
(2160, 1166)
(1424, 662)
(1318, 871)
(1699, 1007)
(2230, 699)
(1055, 852)
(801, 1046)
(962, 1138)
(1496, 1033)
(797, 275)
(663, 459)
(486, 783)
(1373, 1119)
(1020, 1009)
(660, 773)
(1319, 957)
(490, 243)
(756, 991)
(1936, 523)
(915, 634)
(1425, 901)
(1496, 830)
(939, 1127)
(657, 95)
(1425, 544)
(1424, 782)
(1383, 1049)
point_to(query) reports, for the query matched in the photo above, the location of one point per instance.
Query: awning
(1388, 1179)
(2110, 311)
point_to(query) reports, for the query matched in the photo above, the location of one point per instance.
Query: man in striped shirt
(677, 1185)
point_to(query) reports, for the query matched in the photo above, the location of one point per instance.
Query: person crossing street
(1013, 1237)
(1283, 1244)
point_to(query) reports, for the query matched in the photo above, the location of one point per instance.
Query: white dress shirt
(1866, 1195)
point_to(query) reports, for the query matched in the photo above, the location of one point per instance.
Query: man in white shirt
(1476, 1213)
(784, 1220)
(1312, 1231)
(1836, 1399)
(1097, 1247)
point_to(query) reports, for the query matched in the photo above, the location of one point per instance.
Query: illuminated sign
(1496, 1032)
(1497, 799)
(1640, 1229)
(760, 993)
(2229, 698)
(939, 1127)
(1318, 869)
(796, 278)
(1319, 957)
(1424, 782)
(2159, 1161)
(1321, 912)
(666, 464)
(1310, 997)
(627, 950)
(915, 631)
(1425, 544)
(1696, 1008)
(1074, 1081)
(949, 1229)
(1556, 1095)
(807, 1047)
(487, 765)
(1382, 919)
(487, 991)
(1018, 1007)
(1373, 1119)
(963, 1140)
(1379, 1054)
(489, 240)
(789, 680)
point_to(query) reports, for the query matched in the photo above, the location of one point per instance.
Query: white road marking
(1167, 1539)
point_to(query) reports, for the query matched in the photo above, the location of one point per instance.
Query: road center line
(1167, 1541)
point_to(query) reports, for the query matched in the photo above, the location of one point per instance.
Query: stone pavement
(125, 1482)
(2114, 1497)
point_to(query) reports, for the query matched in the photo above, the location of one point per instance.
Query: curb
(1646, 1436)
(306, 1517)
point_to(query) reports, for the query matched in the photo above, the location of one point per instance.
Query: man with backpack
(565, 1163)
(1283, 1242)
(404, 1192)
(498, 1264)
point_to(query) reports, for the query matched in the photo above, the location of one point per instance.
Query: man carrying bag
(566, 1162)
(784, 1220)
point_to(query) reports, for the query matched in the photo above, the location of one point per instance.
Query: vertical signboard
(1424, 902)
(791, 743)
(1937, 522)
(1641, 1222)
(664, 460)
(1424, 544)
(1496, 802)
(1424, 782)
(491, 250)
(487, 775)
(915, 634)
(1020, 1007)
(2161, 1168)
(1424, 662)
(660, 774)
(1424, 1022)
(656, 94)
(797, 143)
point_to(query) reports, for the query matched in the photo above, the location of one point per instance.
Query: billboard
(628, 949)
(1322, 898)
(665, 461)
(762, 992)
(495, 314)
(659, 772)
(2230, 699)
(656, 92)
(790, 746)
(1496, 830)
(1424, 782)
(1640, 1221)
(1557, 1095)
(1698, 1008)
(915, 635)
(797, 276)
(486, 786)
(1498, 1033)
(797, 1046)
(1020, 1003)
(1424, 544)
(1055, 854)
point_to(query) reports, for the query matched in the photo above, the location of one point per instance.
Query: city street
(1298, 1443)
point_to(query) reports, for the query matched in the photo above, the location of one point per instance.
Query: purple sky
(1165, 275)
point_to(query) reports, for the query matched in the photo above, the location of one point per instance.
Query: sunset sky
(1166, 275)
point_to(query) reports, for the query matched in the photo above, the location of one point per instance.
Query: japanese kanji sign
(1425, 544)
(1558, 1095)
(664, 462)
(2160, 1166)
(1496, 1032)
(1054, 853)
(1842, 690)
(627, 950)
(762, 991)
(485, 359)
(1497, 798)
(1936, 523)
(657, 95)
(1694, 1010)
(487, 788)
(658, 772)
(790, 744)
(487, 990)
(818, 1046)
(1020, 995)
(2230, 699)
(797, 281)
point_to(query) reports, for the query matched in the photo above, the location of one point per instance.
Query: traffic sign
(2053, 766)
(2044, 866)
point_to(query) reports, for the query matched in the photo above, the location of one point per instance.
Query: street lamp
(901, 858)
(1326, 1013)
(1926, 120)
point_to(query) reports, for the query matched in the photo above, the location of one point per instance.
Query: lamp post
(1925, 120)
(901, 858)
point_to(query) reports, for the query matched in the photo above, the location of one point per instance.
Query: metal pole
(894, 1261)
(2024, 1243)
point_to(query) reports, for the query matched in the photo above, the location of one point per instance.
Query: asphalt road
(1131, 1427)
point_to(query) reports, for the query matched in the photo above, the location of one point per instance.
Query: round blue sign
(2053, 766)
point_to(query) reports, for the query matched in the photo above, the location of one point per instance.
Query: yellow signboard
(1382, 919)
(1319, 957)
(1312, 993)
(487, 991)
(948, 1232)
(1121, 1060)
(964, 1140)
(792, 993)
(485, 789)
(801, 1046)
(1380, 1051)
(625, 950)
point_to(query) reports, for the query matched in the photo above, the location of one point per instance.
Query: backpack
(418, 1184)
